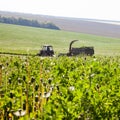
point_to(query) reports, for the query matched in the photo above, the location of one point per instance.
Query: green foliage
(27, 22)
(79, 87)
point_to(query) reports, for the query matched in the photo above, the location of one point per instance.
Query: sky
(93, 9)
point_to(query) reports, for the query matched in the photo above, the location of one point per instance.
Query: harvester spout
(70, 47)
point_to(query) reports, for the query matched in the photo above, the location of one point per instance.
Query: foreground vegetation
(20, 39)
(63, 88)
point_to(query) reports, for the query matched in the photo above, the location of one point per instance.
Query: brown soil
(73, 24)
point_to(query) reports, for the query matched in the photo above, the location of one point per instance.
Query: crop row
(59, 88)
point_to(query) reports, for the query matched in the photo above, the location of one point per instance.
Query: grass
(21, 39)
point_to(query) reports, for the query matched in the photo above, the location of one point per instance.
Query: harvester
(47, 50)
(78, 51)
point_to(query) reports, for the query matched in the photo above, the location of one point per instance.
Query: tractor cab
(47, 50)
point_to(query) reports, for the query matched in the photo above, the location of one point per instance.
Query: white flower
(92, 75)
(72, 88)
(46, 95)
(19, 113)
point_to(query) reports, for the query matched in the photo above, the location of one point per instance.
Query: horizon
(88, 19)
(114, 22)
(86, 9)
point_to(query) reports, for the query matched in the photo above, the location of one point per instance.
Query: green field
(21, 39)
(58, 88)
(63, 88)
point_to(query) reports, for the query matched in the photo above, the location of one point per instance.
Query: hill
(89, 26)
(22, 39)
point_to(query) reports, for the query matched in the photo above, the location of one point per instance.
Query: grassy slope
(15, 38)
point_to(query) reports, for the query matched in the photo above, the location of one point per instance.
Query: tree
(27, 22)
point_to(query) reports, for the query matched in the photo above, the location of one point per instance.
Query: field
(62, 88)
(22, 39)
(81, 25)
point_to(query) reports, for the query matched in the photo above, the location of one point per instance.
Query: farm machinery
(47, 50)
(78, 51)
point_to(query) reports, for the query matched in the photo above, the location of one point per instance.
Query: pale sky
(93, 9)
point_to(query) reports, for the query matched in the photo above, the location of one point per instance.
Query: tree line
(27, 22)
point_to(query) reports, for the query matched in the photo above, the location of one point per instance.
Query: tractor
(47, 50)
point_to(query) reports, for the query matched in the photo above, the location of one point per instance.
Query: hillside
(23, 39)
(95, 27)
